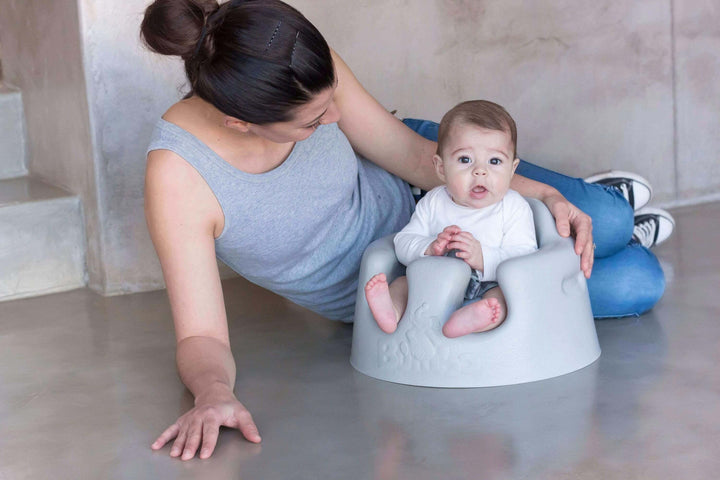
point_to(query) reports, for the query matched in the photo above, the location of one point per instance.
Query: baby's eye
(495, 161)
(464, 159)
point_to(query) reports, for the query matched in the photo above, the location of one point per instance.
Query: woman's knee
(611, 214)
(613, 222)
(628, 283)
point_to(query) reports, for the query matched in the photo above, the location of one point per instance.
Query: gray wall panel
(697, 37)
(589, 82)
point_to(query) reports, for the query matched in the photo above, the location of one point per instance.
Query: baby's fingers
(459, 245)
(461, 254)
(169, 433)
(464, 236)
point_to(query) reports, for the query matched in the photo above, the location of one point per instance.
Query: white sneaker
(636, 189)
(652, 226)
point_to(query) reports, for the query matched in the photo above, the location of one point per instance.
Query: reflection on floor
(86, 383)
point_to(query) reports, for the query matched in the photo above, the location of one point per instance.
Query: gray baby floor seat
(549, 329)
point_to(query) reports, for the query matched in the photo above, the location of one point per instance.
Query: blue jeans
(626, 278)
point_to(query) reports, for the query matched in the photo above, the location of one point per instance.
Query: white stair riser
(41, 248)
(12, 135)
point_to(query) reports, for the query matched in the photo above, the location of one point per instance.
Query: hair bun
(258, 60)
(173, 27)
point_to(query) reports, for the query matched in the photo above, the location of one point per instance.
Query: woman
(257, 166)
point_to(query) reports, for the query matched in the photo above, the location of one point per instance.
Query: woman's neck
(245, 151)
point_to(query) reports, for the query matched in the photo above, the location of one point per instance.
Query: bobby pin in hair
(273, 35)
(292, 54)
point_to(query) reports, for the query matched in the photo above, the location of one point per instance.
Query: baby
(474, 217)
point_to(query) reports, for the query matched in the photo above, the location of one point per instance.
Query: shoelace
(627, 192)
(624, 189)
(645, 232)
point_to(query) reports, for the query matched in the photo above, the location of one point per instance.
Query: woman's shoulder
(165, 160)
(172, 183)
(180, 134)
(182, 114)
(174, 187)
(163, 153)
(166, 169)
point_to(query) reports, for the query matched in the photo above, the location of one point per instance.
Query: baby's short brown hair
(481, 113)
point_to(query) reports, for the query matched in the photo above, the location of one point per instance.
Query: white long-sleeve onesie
(504, 229)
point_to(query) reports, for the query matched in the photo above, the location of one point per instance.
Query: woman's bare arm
(183, 219)
(379, 136)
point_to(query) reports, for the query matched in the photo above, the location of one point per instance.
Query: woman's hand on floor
(201, 425)
(571, 220)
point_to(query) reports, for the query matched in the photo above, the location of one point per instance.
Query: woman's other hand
(571, 220)
(200, 427)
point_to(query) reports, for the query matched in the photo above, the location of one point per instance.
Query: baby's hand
(469, 250)
(439, 246)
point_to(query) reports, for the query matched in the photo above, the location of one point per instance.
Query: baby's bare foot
(474, 318)
(378, 297)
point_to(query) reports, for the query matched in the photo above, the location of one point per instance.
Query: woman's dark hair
(255, 60)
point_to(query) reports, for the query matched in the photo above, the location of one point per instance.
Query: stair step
(42, 239)
(12, 134)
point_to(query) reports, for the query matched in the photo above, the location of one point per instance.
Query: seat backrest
(545, 229)
(549, 330)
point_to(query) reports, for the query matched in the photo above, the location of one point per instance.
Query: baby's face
(476, 165)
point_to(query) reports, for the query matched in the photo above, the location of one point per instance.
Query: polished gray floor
(87, 383)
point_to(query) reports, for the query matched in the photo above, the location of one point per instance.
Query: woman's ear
(237, 124)
(439, 167)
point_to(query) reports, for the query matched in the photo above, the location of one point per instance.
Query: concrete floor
(87, 383)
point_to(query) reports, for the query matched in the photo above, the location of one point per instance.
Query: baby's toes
(494, 305)
(379, 278)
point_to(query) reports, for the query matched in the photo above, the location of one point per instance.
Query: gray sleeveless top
(300, 229)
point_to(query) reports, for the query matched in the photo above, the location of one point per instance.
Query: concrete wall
(592, 84)
(128, 90)
(696, 24)
(41, 54)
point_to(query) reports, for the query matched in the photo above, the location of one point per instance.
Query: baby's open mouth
(479, 189)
